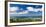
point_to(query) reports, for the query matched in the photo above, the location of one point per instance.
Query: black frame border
(6, 13)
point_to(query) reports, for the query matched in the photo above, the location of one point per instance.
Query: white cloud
(24, 12)
(40, 9)
(36, 10)
(30, 9)
(12, 13)
(33, 9)
(13, 8)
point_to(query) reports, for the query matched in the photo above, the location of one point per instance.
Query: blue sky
(24, 6)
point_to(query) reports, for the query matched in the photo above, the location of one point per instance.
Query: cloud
(33, 9)
(30, 9)
(36, 10)
(24, 12)
(13, 8)
(12, 13)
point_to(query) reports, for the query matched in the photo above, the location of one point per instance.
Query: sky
(23, 9)
(24, 6)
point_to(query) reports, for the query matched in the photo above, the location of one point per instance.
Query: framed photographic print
(24, 13)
